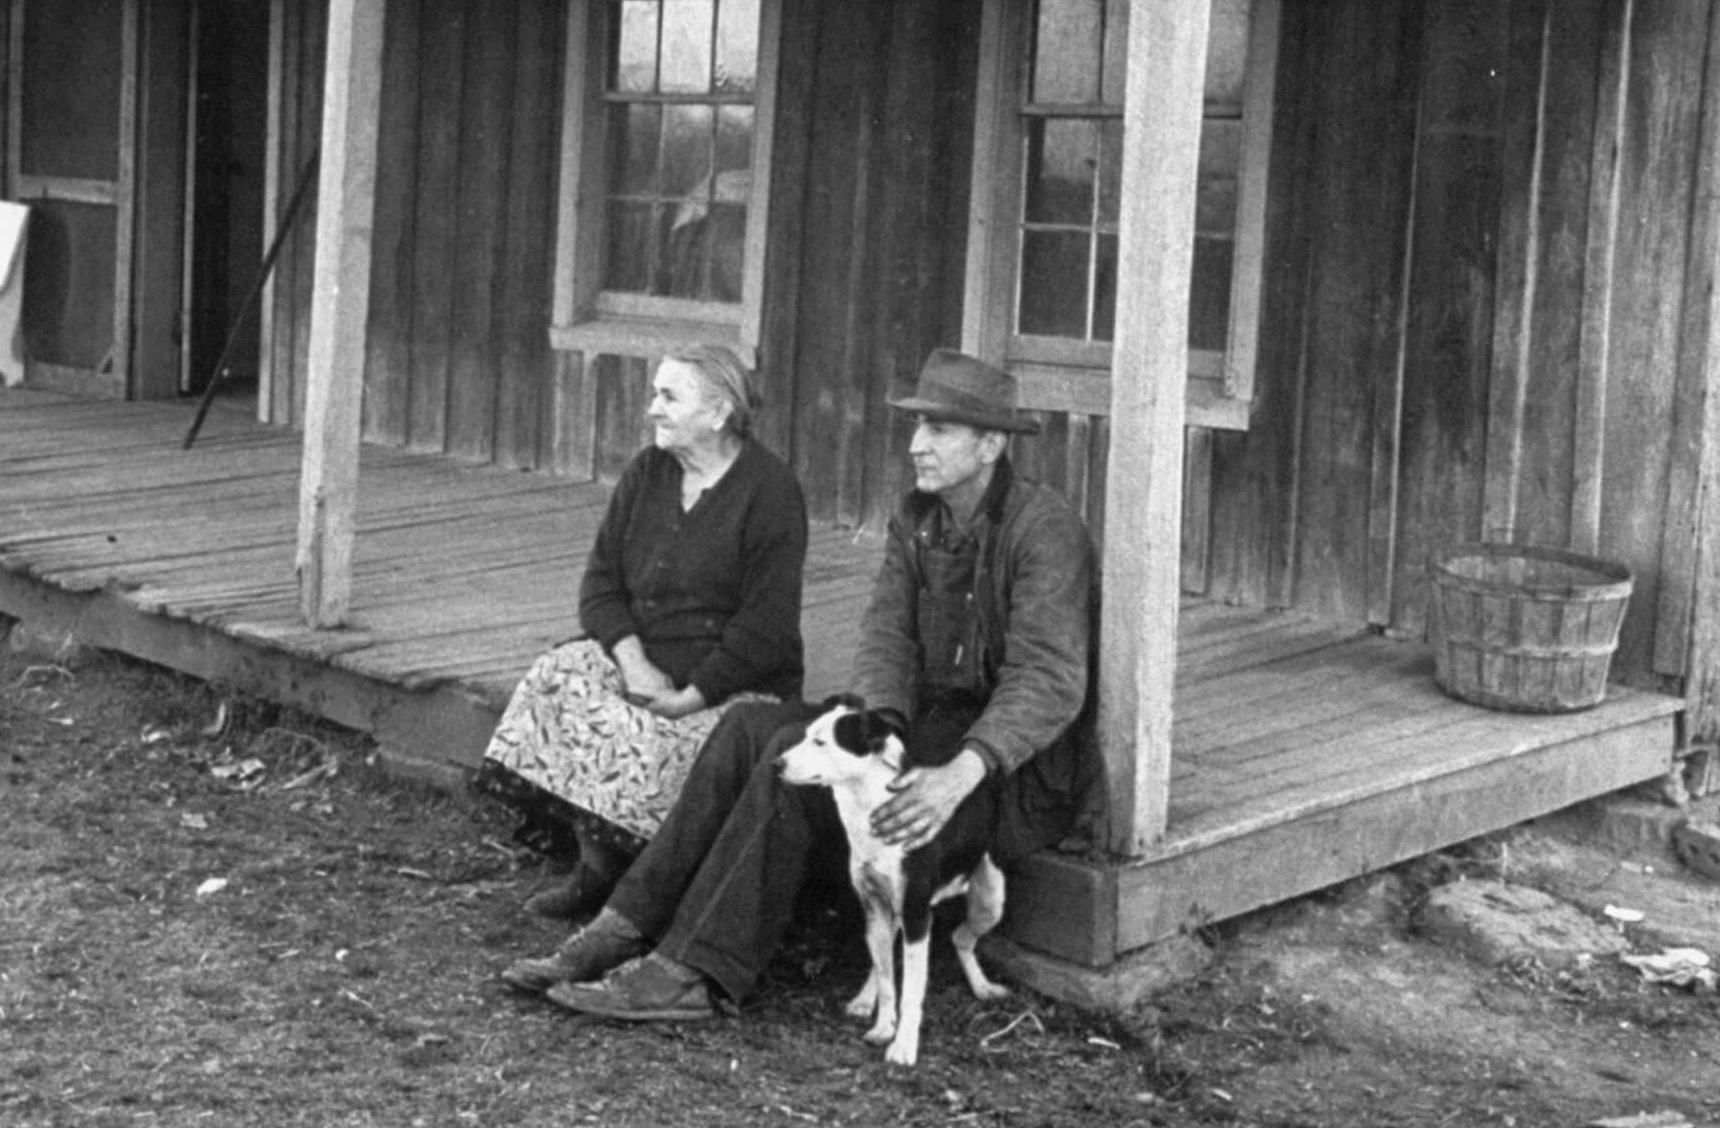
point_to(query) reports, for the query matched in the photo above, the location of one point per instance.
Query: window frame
(1056, 374)
(585, 317)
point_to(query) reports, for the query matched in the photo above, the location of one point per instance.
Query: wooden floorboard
(1304, 751)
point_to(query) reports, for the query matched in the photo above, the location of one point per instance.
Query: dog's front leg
(984, 910)
(877, 1000)
(905, 1050)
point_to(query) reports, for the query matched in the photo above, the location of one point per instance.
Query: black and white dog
(857, 753)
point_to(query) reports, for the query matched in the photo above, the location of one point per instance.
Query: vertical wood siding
(296, 117)
(1475, 303)
(1474, 320)
(865, 248)
(1667, 50)
(458, 356)
(882, 201)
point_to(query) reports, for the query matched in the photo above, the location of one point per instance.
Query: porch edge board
(1161, 897)
(445, 730)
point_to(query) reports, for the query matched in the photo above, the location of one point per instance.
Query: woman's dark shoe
(606, 943)
(580, 896)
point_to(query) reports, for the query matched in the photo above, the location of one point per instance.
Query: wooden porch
(1304, 752)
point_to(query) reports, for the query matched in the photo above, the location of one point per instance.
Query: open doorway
(229, 131)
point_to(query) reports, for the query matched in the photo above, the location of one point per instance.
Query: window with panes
(1048, 182)
(682, 77)
(668, 108)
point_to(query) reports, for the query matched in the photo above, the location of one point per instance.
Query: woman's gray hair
(728, 378)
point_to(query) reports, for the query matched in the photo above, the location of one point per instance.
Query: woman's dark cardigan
(713, 593)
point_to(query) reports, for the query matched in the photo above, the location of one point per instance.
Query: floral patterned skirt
(612, 768)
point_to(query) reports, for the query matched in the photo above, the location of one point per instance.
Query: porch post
(346, 200)
(1161, 144)
(1698, 544)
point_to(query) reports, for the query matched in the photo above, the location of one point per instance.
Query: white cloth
(14, 221)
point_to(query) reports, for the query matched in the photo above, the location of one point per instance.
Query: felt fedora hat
(958, 388)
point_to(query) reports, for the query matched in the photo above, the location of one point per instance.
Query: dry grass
(338, 965)
(243, 923)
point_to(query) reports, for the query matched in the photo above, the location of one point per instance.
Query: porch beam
(340, 306)
(1161, 144)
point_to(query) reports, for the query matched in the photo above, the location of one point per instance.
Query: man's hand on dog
(925, 799)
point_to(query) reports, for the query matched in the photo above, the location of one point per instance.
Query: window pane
(1066, 50)
(1226, 57)
(1215, 207)
(636, 48)
(705, 251)
(70, 99)
(737, 46)
(687, 137)
(1110, 171)
(630, 246)
(1061, 159)
(1116, 72)
(69, 303)
(687, 26)
(635, 134)
(734, 137)
(1209, 293)
(1215, 188)
(1105, 289)
(727, 249)
(679, 179)
(1053, 283)
(685, 238)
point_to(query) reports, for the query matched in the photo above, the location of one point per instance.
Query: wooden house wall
(865, 252)
(458, 357)
(1474, 325)
(865, 248)
(1477, 249)
(297, 48)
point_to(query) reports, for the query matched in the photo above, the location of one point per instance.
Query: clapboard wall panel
(458, 358)
(1475, 323)
(1478, 264)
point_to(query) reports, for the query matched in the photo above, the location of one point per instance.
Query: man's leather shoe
(607, 942)
(650, 989)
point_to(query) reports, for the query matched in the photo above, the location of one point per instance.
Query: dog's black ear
(850, 733)
(881, 725)
(844, 700)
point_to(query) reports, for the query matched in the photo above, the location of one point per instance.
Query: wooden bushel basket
(1522, 628)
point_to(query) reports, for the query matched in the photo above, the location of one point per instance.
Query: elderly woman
(690, 602)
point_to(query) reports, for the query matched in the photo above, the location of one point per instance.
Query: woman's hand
(673, 703)
(925, 799)
(639, 678)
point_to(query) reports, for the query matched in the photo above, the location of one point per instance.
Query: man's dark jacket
(999, 616)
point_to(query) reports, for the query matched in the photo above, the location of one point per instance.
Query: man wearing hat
(978, 633)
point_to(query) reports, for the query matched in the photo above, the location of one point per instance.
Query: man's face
(950, 456)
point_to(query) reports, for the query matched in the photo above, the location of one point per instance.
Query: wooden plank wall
(1477, 239)
(1474, 321)
(298, 46)
(866, 246)
(1667, 49)
(459, 359)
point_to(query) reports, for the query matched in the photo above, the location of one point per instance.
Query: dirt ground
(244, 923)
